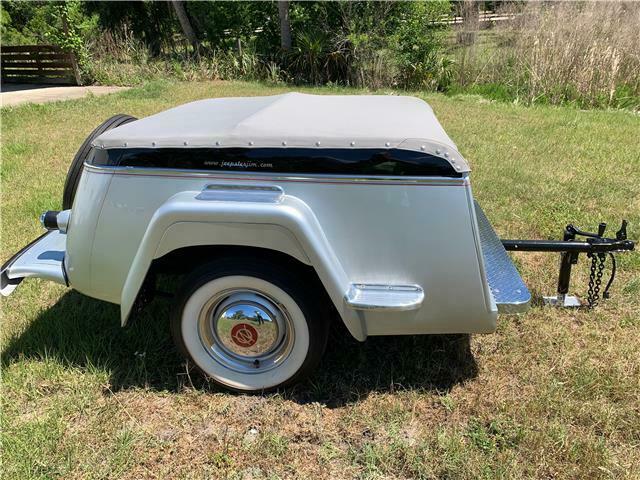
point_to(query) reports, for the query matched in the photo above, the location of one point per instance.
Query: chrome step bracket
(362, 296)
(509, 291)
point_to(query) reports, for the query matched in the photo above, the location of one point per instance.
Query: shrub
(308, 59)
(122, 59)
(368, 44)
(421, 61)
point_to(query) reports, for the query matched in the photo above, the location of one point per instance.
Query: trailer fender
(286, 224)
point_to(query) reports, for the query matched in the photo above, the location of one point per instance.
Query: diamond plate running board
(509, 291)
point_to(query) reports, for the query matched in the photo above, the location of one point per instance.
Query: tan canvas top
(293, 120)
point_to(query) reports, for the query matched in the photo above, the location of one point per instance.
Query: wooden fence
(45, 64)
(483, 17)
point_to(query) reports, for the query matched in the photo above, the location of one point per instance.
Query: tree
(185, 23)
(148, 21)
(470, 18)
(222, 23)
(285, 25)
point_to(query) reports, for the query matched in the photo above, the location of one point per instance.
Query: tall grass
(586, 53)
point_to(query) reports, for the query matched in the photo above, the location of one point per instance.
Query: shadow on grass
(81, 332)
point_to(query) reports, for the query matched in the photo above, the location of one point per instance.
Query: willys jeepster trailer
(282, 210)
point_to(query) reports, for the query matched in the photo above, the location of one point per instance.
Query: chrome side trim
(362, 296)
(241, 193)
(259, 176)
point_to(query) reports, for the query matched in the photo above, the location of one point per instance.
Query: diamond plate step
(509, 291)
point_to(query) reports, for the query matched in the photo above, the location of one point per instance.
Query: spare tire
(84, 154)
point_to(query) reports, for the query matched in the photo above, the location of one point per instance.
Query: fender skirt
(214, 221)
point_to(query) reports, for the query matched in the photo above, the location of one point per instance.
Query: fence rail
(482, 18)
(46, 64)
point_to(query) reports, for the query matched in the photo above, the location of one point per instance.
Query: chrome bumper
(509, 291)
(42, 258)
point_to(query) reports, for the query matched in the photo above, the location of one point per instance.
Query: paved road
(16, 94)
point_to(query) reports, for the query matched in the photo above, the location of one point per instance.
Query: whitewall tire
(249, 326)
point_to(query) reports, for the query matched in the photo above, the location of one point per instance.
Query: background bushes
(585, 53)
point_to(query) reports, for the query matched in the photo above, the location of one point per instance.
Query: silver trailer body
(368, 191)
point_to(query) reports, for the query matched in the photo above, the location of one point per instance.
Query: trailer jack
(596, 246)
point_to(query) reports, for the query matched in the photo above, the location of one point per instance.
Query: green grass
(552, 394)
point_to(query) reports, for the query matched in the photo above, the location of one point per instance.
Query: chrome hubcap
(246, 330)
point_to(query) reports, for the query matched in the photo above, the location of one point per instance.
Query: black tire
(84, 154)
(316, 315)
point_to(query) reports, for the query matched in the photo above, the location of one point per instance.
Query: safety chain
(595, 277)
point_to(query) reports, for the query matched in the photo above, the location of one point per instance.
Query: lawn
(552, 394)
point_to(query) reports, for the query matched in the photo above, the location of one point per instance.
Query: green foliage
(368, 43)
(421, 62)
(359, 43)
(584, 56)
(24, 22)
(309, 56)
(152, 23)
(351, 43)
(71, 28)
(44, 22)
(9, 34)
(221, 24)
(64, 24)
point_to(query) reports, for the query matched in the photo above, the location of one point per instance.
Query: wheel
(84, 154)
(249, 325)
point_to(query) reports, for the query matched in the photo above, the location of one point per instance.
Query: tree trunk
(470, 22)
(185, 23)
(285, 25)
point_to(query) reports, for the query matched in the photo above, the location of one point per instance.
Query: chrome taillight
(56, 220)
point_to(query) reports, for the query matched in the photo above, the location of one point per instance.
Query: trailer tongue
(596, 246)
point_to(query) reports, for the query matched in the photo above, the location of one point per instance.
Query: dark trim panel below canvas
(327, 161)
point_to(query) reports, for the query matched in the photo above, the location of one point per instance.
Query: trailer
(279, 213)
